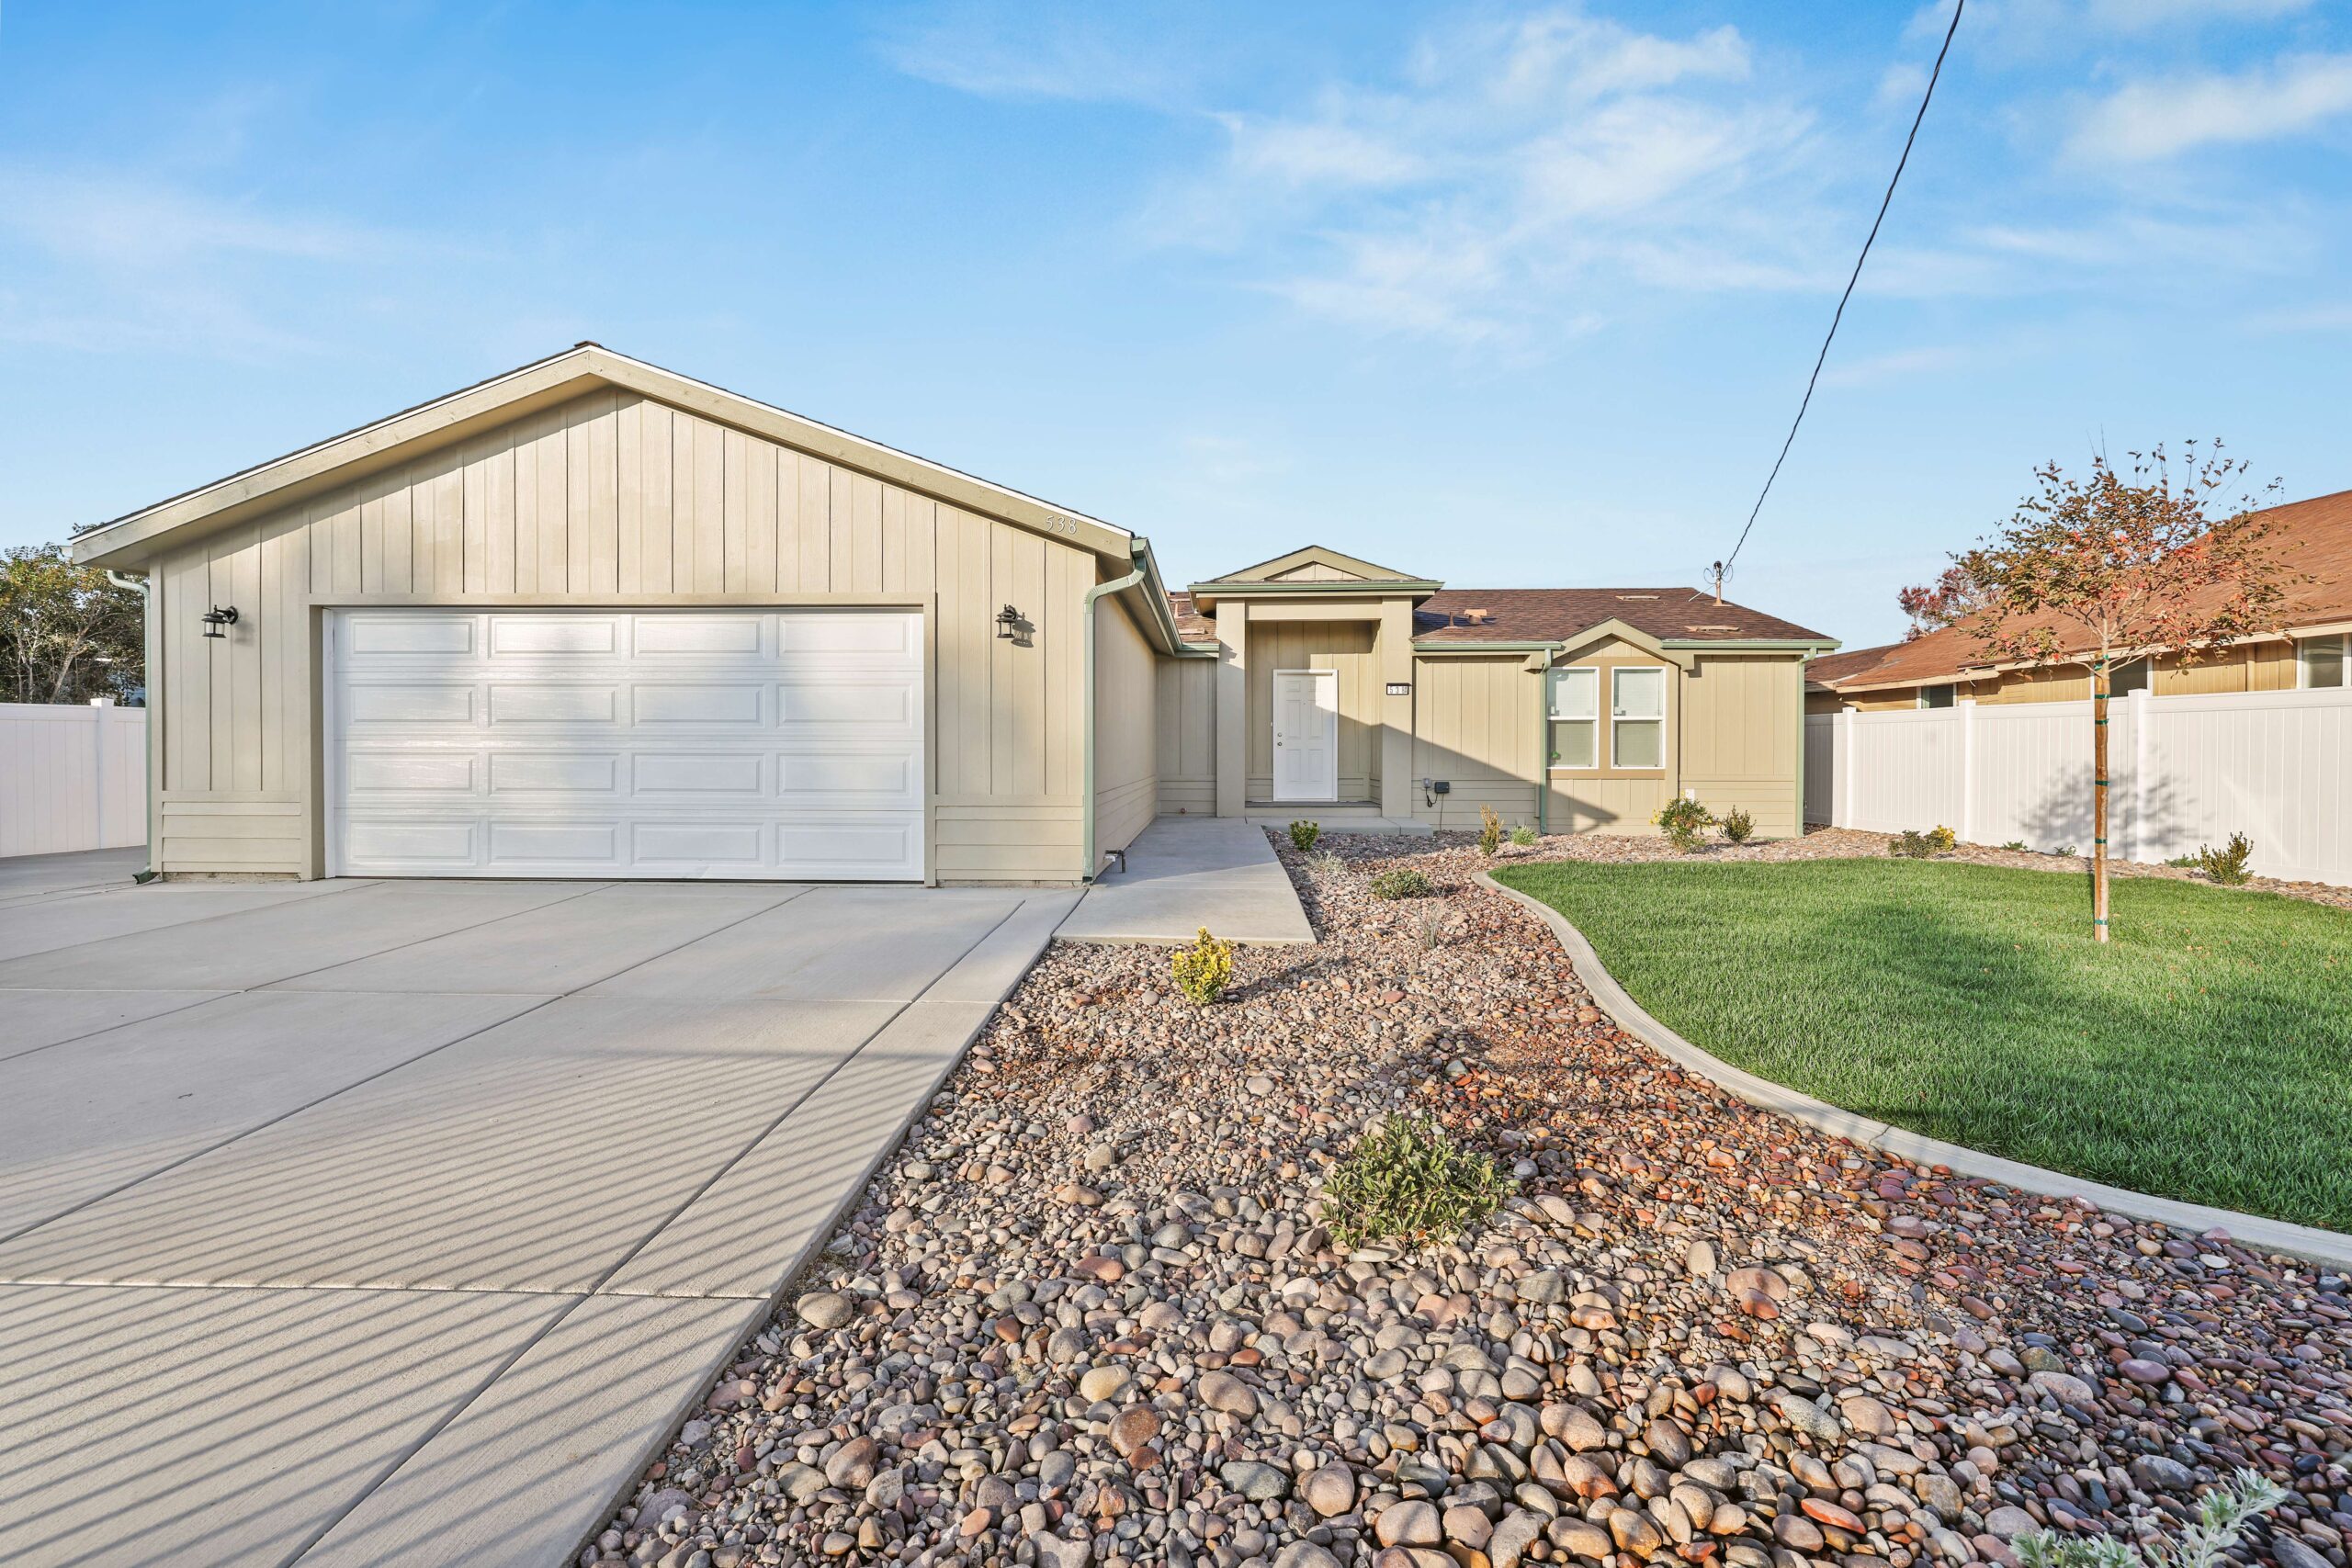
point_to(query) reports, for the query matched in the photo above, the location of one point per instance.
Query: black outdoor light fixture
(217, 617)
(1009, 624)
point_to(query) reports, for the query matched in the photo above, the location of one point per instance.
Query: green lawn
(2205, 1053)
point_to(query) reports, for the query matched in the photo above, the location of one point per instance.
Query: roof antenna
(1717, 570)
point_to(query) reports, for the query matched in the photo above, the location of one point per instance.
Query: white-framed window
(1936, 696)
(2128, 676)
(1574, 707)
(1637, 716)
(2322, 661)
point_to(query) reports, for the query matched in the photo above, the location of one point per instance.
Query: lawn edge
(2309, 1242)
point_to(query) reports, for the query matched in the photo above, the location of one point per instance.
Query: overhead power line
(1811, 381)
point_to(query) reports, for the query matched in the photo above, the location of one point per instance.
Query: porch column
(1232, 707)
(1395, 641)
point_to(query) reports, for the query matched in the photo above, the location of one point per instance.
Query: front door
(1306, 735)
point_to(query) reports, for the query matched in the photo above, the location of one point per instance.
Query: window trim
(2343, 641)
(1665, 700)
(1919, 697)
(1552, 716)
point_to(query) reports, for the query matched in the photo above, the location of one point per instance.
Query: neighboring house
(592, 618)
(2311, 648)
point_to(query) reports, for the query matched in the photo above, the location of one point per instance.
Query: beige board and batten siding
(1347, 648)
(1185, 710)
(615, 499)
(1741, 728)
(1126, 765)
(1475, 725)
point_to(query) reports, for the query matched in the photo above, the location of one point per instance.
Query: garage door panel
(410, 772)
(568, 633)
(559, 773)
(731, 704)
(669, 637)
(777, 743)
(409, 702)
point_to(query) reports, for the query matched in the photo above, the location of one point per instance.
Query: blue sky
(1505, 295)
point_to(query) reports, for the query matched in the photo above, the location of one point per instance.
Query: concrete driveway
(378, 1223)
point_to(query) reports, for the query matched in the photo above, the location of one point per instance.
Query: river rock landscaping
(1090, 1312)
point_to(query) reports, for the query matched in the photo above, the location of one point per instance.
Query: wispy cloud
(1500, 164)
(2161, 117)
(120, 263)
(1044, 51)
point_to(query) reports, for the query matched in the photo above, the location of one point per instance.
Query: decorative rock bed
(1088, 1313)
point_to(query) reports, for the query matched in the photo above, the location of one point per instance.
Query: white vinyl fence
(72, 778)
(2184, 772)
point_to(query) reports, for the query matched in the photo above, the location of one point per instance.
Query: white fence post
(1848, 764)
(98, 706)
(1967, 706)
(2138, 708)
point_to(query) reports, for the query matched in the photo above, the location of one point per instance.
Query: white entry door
(659, 743)
(1306, 735)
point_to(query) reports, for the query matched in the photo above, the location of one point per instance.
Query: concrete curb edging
(2309, 1242)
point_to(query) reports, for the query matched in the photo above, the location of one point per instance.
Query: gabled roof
(128, 540)
(2311, 537)
(1835, 666)
(1563, 614)
(1314, 563)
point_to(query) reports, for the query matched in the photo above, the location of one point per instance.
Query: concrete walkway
(1184, 872)
(401, 1222)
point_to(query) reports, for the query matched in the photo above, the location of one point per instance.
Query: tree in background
(66, 634)
(1953, 597)
(2116, 567)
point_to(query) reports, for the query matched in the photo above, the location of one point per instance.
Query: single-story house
(594, 618)
(2309, 647)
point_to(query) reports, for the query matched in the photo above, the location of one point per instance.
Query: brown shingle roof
(1834, 667)
(2313, 538)
(1556, 614)
(1190, 625)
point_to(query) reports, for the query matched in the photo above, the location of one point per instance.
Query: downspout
(1086, 631)
(1543, 741)
(146, 721)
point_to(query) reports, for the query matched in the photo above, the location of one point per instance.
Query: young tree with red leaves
(2118, 566)
(1953, 597)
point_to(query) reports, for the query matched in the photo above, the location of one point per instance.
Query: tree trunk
(2098, 799)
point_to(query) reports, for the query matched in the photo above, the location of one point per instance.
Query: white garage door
(688, 743)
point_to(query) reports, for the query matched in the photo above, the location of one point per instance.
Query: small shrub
(2016, 844)
(1522, 835)
(2226, 866)
(1910, 844)
(2067, 850)
(1407, 1181)
(1490, 831)
(1323, 862)
(1403, 882)
(1685, 823)
(2179, 863)
(1943, 838)
(1738, 824)
(1430, 927)
(1203, 970)
(2223, 1515)
(1303, 835)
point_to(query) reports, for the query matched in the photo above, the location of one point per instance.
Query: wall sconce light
(217, 617)
(1008, 623)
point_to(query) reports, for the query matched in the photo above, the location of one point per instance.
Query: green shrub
(1685, 823)
(1522, 835)
(2226, 866)
(1910, 844)
(1303, 835)
(2223, 1515)
(1407, 1181)
(2178, 863)
(2017, 844)
(1490, 831)
(1943, 838)
(1403, 882)
(1203, 970)
(2066, 849)
(1738, 824)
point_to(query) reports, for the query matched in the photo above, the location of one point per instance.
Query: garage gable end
(473, 412)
